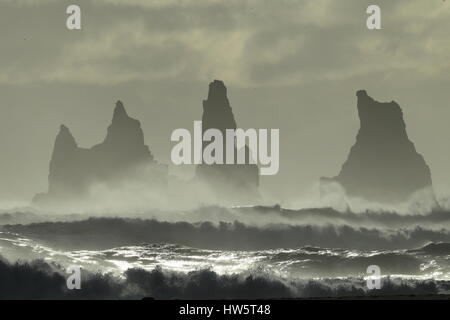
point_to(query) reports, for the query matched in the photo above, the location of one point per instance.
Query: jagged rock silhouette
(122, 156)
(383, 165)
(233, 182)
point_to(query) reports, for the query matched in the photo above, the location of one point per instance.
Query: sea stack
(232, 183)
(122, 156)
(383, 165)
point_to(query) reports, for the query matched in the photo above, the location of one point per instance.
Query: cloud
(247, 43)
(131, 52)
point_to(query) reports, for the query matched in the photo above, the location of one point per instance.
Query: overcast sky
(293, 65)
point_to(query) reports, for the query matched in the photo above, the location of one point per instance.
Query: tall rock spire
(217, 111)
(231, 182)
(124, 140)
(65, 140)
(383, 165)
(64, 156)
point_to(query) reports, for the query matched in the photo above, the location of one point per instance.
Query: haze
(290, 65)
